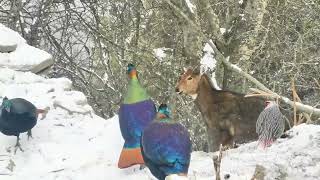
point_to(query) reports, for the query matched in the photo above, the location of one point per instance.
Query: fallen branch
(58, 170)
(259, 173)
(55, 105)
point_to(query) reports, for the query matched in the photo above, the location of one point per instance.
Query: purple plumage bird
(166, 146)
(270, 124)
(136, 112)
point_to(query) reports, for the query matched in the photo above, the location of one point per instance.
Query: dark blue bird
(18, 116)
(166, 146)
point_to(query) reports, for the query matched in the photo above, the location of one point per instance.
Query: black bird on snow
(18, 116)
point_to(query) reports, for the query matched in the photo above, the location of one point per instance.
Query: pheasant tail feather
(129, 157)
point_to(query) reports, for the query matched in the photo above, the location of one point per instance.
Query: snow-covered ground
(72, 143)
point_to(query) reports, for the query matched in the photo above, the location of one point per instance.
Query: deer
(230, 117)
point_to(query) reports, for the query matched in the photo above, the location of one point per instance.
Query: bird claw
(16, 147)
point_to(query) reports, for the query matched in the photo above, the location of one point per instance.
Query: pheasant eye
(189, 78)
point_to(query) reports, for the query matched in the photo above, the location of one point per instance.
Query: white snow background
(72, 143)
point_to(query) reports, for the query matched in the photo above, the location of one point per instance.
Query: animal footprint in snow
(11, 165)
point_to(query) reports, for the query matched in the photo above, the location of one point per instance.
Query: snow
(208, 62)
(190, 6)
(297, 156)
(236, 67)
(223, 30)
(71, 142)
(9, 37)
(160, 53)
(23, 57)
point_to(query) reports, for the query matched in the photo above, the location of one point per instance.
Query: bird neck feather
(136, 93)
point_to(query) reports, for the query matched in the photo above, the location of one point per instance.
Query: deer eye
(189, 78)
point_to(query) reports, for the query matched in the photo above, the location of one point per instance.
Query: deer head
(188, 82)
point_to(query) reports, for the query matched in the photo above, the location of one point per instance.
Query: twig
(258, 95)
(217, 163)
(58, 170)
(296, 98)
(259, 173)
(294, 94)
(317, 82)
(5, 174)
(55, 105)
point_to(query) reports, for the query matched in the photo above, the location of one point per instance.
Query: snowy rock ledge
(17, 55)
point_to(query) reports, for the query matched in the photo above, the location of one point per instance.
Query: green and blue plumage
(166, 146)
(136, 112)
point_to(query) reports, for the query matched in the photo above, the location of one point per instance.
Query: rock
(9, 39)
(7, 48)
(16, 54)
(42, 66)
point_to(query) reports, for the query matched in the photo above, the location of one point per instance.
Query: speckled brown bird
(270, 124)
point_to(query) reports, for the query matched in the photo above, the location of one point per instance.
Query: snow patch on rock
(16, 54)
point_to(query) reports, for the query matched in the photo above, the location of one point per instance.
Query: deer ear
(185, 69)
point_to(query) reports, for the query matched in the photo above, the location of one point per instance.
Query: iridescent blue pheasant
(166, 146)
(136, 112)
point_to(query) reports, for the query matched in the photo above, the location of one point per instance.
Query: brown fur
(229, 117)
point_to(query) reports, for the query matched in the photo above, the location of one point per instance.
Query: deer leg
(214, 139)
(226, 138)
(18, 145)
(29, 134)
